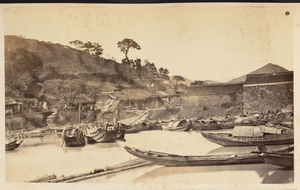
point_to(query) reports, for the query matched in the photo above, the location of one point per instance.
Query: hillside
(56, 61)
(64, 59)
(269, 68)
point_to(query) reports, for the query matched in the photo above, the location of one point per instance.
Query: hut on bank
(12, 107)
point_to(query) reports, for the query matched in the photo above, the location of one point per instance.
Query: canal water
(29, 162)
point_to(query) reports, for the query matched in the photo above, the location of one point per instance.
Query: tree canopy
(198, 82)
(21, 68)
(89, 47)
(124, 46)
(65, 90)
(151, 68)
(178, 78)
(127, 44)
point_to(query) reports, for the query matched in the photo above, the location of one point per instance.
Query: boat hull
(224, 140)
(182, 125)
(73, 137)
(284, 160)
(177, 160)
(181, 128)
(209, 160)
(102, 135)
(13, 145)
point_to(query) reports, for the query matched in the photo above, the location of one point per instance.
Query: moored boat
(121, 132)
(109, 133)
(13, 144)
(208, 160)
(73, 136)
(135, 128)
(209, 124)
(285, 159)
(252, 136)
(182, 125)
(226, 125)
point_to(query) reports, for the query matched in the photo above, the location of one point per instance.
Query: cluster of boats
(280, 157)
(78, 135)
(246, 131)
(228, 122)
(73, 135)
(240, 136)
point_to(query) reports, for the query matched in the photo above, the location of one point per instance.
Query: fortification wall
(267, 97)
(211, 105)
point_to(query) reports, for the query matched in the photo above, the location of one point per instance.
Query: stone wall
(267, 97)
(211, 105)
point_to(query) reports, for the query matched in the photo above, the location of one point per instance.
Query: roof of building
(203, 90)
(110, 106)
(84, 99)
(26, 99)
(270, 78)
(9, 99)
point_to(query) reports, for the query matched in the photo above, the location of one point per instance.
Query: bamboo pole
(108, 172)
(65, 178)
(131, 164)
(125, 164)
(43, 178)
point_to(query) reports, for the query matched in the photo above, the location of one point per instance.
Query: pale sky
(197, 41)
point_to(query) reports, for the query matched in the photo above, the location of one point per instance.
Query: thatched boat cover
(175, 124)
(254, 131)
(247, 131)
(271, 130)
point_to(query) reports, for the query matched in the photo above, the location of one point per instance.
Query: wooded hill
(29, 63)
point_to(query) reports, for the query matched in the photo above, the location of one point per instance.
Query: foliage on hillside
(31, 63)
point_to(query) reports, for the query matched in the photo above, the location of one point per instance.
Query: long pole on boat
(79, 105)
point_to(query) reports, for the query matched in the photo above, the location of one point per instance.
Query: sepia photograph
(149, 96)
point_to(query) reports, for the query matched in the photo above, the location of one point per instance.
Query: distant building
(259, 93)
(85, 102)
(265, 92)
(12, 107)
(28, 103)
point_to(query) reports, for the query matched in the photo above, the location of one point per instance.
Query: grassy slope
(69, 63)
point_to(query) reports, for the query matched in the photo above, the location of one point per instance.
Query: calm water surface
(29, 162)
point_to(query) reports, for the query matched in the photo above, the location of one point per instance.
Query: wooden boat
(135, 128)
(182, 125)
(209, 160)
(12, 145)
(154, 125)
(121, 132)
(284, 159)
(251, 136)
(73, 136)
(201, 125)
(289, 124)
(226, 125)
(279, 159)
(226, 122)
(102, 134)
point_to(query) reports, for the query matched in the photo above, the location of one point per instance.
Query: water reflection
(261, 171)
(60, 160)
(279, 176)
